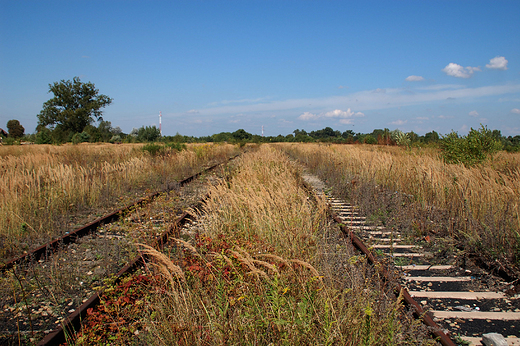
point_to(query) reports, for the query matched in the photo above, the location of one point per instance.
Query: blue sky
(214, 66)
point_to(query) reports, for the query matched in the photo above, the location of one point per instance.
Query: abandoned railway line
(465, 302)
(457, 300)
(56, 283)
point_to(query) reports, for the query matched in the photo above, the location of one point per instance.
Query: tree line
(72, 114)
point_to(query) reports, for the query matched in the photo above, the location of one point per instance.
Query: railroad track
(440, 290)
(465, 304)
(46, 293)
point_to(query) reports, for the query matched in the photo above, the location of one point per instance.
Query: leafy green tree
(44, 136)
(15, 129)
(325, 133)
(241, 135)
(301, 132)
(148, 134)
(74, 106)
(431, 137)
(369, 139)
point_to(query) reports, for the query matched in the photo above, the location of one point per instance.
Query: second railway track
(459, 301)
(43, 287)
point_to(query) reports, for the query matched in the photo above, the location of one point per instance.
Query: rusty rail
(43, 251)
(72, 323)
(407, 298)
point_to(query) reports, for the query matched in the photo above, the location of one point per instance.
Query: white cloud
(307, 116)
(337, 113)
(363, 101)
(445, 116)
(399, 122)
(498, 63)
(455, 70)
(473, 114)
(193, 111)
(379, 91)
(515, 111)
(413, 78)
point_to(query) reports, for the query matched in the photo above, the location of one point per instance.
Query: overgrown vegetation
(417, 192)
(44, 187)
(266, 268)
(475, 148)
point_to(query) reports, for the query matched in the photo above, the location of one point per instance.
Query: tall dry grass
(267, 269)
(266, 200)
(479, 204)
(42, 185)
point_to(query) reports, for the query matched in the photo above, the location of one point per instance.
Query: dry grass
(479, 204)
(42, 185)
(267, 271)
(267, 201)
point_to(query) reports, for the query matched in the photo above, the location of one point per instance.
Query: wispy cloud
(337, 113)
(497, 63)
(473, 114)
(515, 111)
(399, 122)
(361, 101)
(413, 78)
(455, 70)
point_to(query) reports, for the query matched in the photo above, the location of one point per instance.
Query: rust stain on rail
(45, 250)
(419, 312)
(72, 323)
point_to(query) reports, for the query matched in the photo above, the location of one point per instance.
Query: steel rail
(407, 298)
(43, 251)
(72, 324)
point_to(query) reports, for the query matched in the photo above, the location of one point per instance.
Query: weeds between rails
(49, 190)
(415, 192)
(263, 265)
(54, 287)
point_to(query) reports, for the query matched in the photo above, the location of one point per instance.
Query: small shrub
(369, 139)
(115, 139)
(153, 149)
(400, 138)
(44, 136)
(471, 150)
(11, 141)
(176, 146)
(80, 138)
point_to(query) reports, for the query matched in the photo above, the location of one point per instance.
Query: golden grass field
(268, 269)
(267, 266)
(42, 186)
(480, 205)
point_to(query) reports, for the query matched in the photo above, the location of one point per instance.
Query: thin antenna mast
(160, 125)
